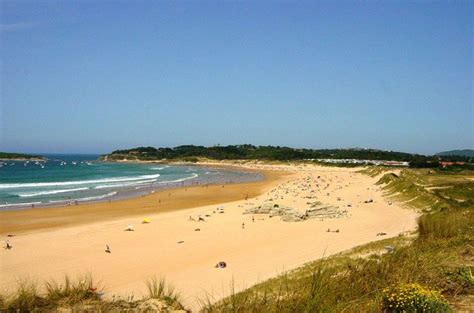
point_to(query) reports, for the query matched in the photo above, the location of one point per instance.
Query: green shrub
(191, 159)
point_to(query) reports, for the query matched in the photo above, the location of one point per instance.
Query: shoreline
(27, 219)
(132, 192)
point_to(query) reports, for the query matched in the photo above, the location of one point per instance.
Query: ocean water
(80, 178)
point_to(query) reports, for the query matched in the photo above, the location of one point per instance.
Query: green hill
(272, 153)
(251, 152)
(19, 156)
(465, 153)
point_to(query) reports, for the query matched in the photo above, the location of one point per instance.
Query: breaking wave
(50, 192)
(78, 182)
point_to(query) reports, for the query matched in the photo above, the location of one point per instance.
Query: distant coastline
(7, 156)
(245, 153)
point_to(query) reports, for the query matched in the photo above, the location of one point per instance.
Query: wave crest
(194, 175)
(78, 182)
(50, 192)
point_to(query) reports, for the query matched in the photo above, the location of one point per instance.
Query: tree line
(277, 153)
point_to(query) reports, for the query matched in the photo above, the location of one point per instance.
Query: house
(444, 164)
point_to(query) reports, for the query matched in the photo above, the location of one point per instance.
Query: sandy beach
(50, 243)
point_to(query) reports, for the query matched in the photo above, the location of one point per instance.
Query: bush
(191, 159)
(413, 298)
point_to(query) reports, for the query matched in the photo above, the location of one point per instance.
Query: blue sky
(94, 76)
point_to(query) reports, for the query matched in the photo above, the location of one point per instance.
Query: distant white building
(357, 161)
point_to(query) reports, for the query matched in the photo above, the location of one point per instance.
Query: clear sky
(94, 76)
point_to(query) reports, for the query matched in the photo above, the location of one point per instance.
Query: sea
(74, 179)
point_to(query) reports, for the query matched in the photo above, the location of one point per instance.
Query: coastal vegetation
(428, 271)
(464, 152)
(251, 152)
(18, 156)
(85, 295)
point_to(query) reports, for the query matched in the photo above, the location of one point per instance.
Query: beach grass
(29, 296)
(72, 291)
(160, 289)
(83, 294)
(437, 260)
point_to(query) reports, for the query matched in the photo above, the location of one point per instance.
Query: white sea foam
(194, 175)
(84, 199)
(159, 168)
(97, 197)
(59, 201)
(18, 204)
(136, 183)
(78, 182)
(49, 192)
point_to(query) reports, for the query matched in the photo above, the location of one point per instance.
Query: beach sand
(50, 243)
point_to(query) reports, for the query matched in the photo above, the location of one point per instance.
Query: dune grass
(71, 291)
(84, 294)
(29, 296)
(438, 261)
(159, 289)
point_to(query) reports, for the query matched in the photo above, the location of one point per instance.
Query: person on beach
(243, 225)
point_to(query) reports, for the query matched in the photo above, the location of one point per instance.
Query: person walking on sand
(243, 225)
(8, 246)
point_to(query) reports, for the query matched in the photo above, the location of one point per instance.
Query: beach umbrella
(146, 220)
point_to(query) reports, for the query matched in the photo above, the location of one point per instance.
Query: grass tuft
(26, 297)
(161, 290)
(71, 292)
(84, 295)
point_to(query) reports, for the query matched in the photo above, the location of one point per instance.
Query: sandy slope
(262, 249)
